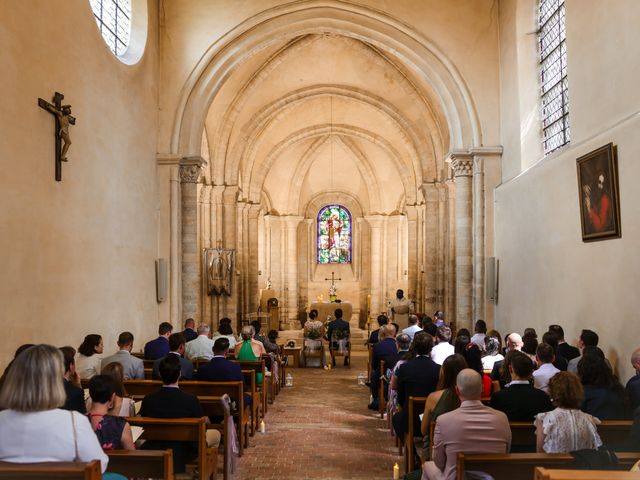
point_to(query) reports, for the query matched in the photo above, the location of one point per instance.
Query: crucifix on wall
(63, 119)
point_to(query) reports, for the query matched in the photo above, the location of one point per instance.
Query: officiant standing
(401, 307)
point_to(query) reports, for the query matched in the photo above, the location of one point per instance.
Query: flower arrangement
(333, 290)
(314, 333)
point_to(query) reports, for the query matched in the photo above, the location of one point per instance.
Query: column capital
(253, 210)
(190, 169)
(230, 194)
(292, 221)
(375, 221)
(205, 194)
(461, 162)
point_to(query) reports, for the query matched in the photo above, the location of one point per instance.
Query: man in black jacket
(564, 349)
(338, 325)
(519, 400)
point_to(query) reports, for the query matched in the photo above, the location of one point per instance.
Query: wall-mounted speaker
(161, 279)
(491, 271)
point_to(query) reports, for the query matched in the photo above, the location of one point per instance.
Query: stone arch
(312, 16)
(259, 170)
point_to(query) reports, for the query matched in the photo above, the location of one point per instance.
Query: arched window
(334, 235)
(114, 21)
(553, 75)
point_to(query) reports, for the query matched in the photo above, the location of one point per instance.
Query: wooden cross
(63, 118)
(333, 279)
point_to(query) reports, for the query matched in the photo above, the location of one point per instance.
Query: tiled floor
(321, 429)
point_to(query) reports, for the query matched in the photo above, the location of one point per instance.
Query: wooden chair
(546, 474)
(521, 466)
(142, 463)
(319, 354)
(182, 430)
(415, 408)
(51, 470)
(369, 360)
(337, 353)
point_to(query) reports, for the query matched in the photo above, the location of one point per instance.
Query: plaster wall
(78, 255)
(547, 274)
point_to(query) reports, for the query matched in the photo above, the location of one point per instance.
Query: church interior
(210, 138)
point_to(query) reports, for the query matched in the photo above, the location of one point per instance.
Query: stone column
(205, 242)
(376, 223)
(414, 257)
(433, 256)
(229, 241)
(291, 262)
(253, 210)
(462, 165)
(190, 169)
(478, 239)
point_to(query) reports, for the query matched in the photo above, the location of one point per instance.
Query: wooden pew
(138, 389)
(520, 466)
(613, 434)
(546, 474)
(220, 407)
(271, 391)
(283, 365)
(415, 408)
(257, 366)
(382, 404)
(182, 430)
(63, 470)
(141, 463)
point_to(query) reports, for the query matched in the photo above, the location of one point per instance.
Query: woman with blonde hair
(122, 405)
(33, 428)
(250, 349)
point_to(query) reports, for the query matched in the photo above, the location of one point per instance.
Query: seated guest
(588, 338)
(219, 369)
(273, 339)
(479, 333)
(513, 341)
(566, 428)
(519, 400)
(471, 428)
(122, 405)
(603, 393)
(33, 428)
(176, 347)
(417, 377)
(313, 333)
(159, 347)
(560, 362)
(114, 433)
(413, 326)
(75, 394)
(444, 399)
(382, 321)
(249, 348)
(438, 318)
(633, 385)
(386, 350)
(19, 350)
(461, 343)
(546, 370)
(529, 346)
(189, 331)
(201, 346)
(431, 329)
(88, 361)
(491, 353)
(473, 356)
(504, 372)
(564, 349)
(403, 343)
(133, 367)
(443, 348)
(496, 334)
(337, 332)
(225, 330)
(171, 402)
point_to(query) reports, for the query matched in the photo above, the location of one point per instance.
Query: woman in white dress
(566, 428)
(88, 359)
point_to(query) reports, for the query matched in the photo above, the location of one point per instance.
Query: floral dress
(109, 431)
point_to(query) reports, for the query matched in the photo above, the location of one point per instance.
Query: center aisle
(321, 429)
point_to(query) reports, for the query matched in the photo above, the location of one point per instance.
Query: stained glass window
(553, 75)
(334, 235)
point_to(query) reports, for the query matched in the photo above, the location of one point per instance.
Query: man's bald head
(387, 331)
(469, 384)
(635, 359)
(514, 342)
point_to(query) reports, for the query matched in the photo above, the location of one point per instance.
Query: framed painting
(598, 194)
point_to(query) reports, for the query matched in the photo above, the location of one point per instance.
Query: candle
(396, 472)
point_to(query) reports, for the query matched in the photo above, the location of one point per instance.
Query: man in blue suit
(176, 344)
(386, 350)
(159, 347)
(219, 369)
(338, 325)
